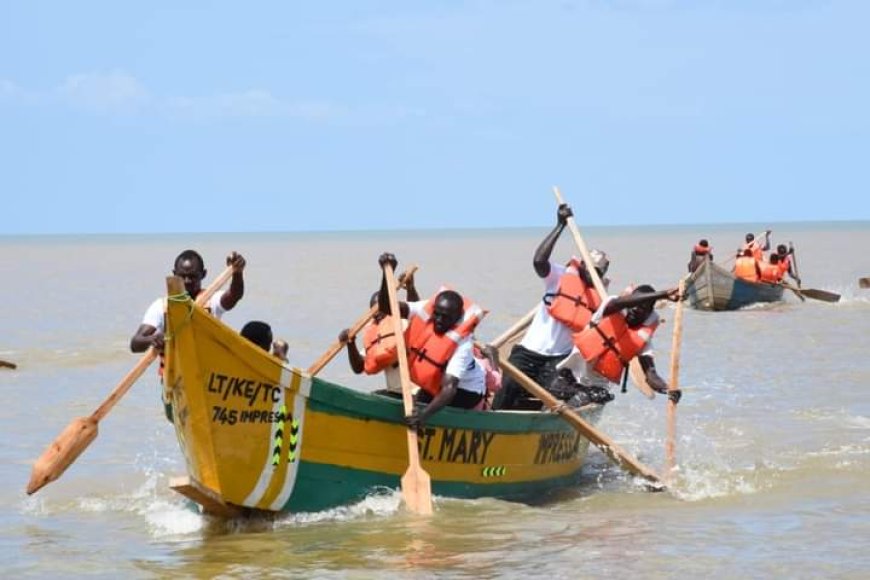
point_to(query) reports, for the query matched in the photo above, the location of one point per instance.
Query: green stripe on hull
(320, 486)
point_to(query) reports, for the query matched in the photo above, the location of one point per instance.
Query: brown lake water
(773, 437)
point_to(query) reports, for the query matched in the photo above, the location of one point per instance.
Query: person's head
(774, 258)
(704, 244)
(600, 261)
(191, 269)
(636, 315)
(781, 250)
(447, 312)
(259, 333)
(750, 238)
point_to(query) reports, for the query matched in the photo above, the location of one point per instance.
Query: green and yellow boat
(260, 436)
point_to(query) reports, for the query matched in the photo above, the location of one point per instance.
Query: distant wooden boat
(712, 287)
(260, 436)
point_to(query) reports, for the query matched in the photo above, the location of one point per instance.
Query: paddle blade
(417, 490)
(823, 295)
(61, 453)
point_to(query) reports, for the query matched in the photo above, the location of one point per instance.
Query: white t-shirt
(583, 371)
(154, 314)
(462, 364)
(545, 334)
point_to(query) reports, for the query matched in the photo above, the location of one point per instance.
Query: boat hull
(260, 435)
(712, 287)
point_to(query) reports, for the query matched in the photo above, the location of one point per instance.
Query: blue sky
(161, 116)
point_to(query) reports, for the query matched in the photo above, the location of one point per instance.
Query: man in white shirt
(547, 341)
(462, 382)
(189, 267)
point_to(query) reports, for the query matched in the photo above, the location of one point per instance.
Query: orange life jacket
(574, 300)
(770, 273)
(745, 268)
(610, 344)
(379, 341)
(757, 252)
(429, 353)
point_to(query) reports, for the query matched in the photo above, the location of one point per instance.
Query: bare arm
(354, 357)
(234, 293)
(631, 300)
(145, 337)
(541, 261)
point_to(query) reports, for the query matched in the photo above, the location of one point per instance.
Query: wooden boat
(257, 435)
(712, 287)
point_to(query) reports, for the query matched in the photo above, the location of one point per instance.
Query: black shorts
(463, 399)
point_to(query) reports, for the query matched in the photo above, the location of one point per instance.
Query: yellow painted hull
(260, 435)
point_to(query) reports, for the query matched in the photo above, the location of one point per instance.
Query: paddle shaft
(336, 347)
(607, 446)
(671, 445)
(518, 327)
(794, 262)
(637, 375)
(416, 486)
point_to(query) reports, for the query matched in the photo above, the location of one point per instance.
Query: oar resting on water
(814, 293)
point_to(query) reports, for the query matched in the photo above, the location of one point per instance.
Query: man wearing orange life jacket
(746, 267)
(189, 266)
(786, 263)
(567, 305)
(700, 254)
(439, 342)
(770, 271)
(757, 248)
(621, 329)
(379, 345)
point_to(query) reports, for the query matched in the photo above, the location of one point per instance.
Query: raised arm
(541, 260)
(234, 293)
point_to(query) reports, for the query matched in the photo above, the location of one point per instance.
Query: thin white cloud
(108, 92)
(8, 89)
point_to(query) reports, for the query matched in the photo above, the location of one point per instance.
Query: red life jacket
(429, 353)
(701, 250)
(610, 344)
(745, 268)
(574, 301)
(771, 273)
(379, 341)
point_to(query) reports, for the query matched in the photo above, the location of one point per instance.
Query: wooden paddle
(670, 444)
(607, 445)
(73, 440)
(637, 375)
(796, 273)
(864, 282)
(336, 347)
(814, 293)
(7, 365)
(416, 484)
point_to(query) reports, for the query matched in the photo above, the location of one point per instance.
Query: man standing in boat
(439, 342)
(700, 254)
(569, 300)
(621, 329)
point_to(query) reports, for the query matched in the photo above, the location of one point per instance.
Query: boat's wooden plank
(209, 501)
